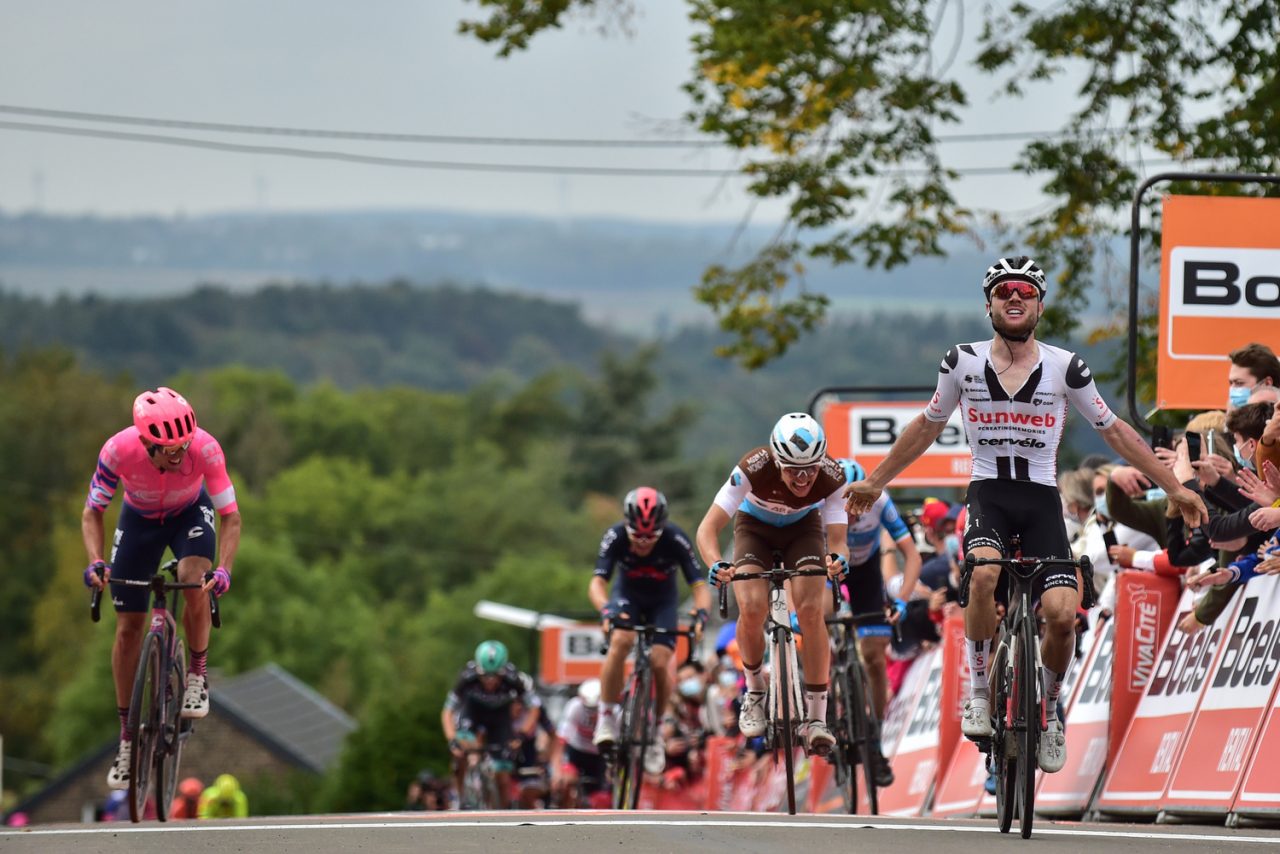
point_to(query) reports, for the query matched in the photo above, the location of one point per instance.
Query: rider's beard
(1018, 327)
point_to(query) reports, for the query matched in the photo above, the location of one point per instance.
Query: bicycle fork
(780, 618)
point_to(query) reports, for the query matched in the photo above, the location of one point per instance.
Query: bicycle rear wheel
(844, 757)
(145, 723)
(169, 744)
(1029, 736)
(866, 727)
(785, 720)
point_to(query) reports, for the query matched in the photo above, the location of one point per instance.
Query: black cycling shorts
(638, 611)
(865, 584)
(998, 509)
(140, 542)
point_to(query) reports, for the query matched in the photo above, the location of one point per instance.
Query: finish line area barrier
(1161, 725)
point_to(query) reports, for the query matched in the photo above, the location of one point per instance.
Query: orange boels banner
(1219, 290)
(961, 768)
(571, 654)
(867, 430)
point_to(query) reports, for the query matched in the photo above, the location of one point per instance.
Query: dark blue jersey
(655, 573)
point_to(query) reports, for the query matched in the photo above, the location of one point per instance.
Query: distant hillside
(451, 338)
(634, 276)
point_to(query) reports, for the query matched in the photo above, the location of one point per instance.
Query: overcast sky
(387, 66)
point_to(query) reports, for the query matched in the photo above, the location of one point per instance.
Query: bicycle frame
(785, 694)
(155, 725)
(1017, 699)
(626, 759)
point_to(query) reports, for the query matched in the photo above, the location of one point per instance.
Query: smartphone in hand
(1161, 437)
(1193, 446)
(1109, 537)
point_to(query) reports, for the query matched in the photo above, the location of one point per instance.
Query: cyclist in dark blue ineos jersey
(647, 552)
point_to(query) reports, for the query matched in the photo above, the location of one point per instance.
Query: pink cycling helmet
(164, 417)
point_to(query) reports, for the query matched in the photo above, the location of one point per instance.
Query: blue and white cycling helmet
(853, 470)
(798, 440)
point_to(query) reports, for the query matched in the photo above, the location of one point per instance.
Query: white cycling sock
(978, 650)
(755, 678)
(1052, 687)
(816, 703)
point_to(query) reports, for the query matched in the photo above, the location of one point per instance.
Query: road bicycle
(640, 715)
(850, 710)
(480, 787)
(1017, 700)
(155, 725)
(784, 699)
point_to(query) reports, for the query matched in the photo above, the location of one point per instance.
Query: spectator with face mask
(686, 724)
(1252, 366)
(1096, 542)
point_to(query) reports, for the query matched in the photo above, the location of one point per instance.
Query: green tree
(829, 97)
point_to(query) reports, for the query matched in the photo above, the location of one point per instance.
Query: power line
(382, 136)
(446, 165)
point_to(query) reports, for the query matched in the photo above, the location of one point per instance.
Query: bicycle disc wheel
(144, 724)
(865, 727)
(169, 744)
(1029, 701)
(785, 719)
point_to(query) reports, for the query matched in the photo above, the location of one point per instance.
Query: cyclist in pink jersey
(174, 477)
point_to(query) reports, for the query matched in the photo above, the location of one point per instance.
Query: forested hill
(441, 338)
(447, 338)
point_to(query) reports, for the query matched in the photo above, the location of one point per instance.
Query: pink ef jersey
(156, 494)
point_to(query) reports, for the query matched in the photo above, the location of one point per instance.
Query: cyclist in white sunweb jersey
(1014, 391)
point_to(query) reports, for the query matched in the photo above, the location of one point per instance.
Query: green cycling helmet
(491, 656)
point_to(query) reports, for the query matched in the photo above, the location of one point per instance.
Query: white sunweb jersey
(1015, 435)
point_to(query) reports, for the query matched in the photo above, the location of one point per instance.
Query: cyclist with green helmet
(479, 710)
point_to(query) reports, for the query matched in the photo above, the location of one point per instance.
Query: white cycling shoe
(976, 721)
(118, 776)
(655, 756)
(1051, 753)
(606, 733)
(195, 702)
(818, 739)
(751, 719)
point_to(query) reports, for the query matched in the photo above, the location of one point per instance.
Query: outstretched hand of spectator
(1256, 489)
(1132, 482)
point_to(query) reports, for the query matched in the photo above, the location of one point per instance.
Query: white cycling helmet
(797, 440)
(589, 693)
(1018, 268)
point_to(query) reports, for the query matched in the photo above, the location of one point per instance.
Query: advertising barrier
(1145, 606)
(1223, 734)
(961, 768)
(1137, 780)
(915, 754)
(1259, 796)
(1067, 793)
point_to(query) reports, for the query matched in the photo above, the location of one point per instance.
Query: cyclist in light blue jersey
(866, 585)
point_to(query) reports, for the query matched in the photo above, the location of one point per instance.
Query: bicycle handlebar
(849, 620)
(95, 598)
(650, 630)
(775, 576)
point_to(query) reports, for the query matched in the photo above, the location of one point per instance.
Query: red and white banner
(915, 754)
(1088, 718)
(961, 768)
(867, 430)
(1226, 726)
(1259, 796)
(1137, 780)
(1145, 605)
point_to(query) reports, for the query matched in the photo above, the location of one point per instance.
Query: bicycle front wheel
(634, 739)
(169, 744)
(1029, 702)
(866, 727)
(786, 719)
(145, 723)
(1004, 756)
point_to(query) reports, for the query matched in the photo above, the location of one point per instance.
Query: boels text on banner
(1219, 290)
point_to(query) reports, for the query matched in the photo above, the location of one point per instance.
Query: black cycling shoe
(883, 772)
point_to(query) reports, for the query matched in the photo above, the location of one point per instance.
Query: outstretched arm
(1126, 442)
(914, 441)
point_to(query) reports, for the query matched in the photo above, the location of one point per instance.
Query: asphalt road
(595, 832)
